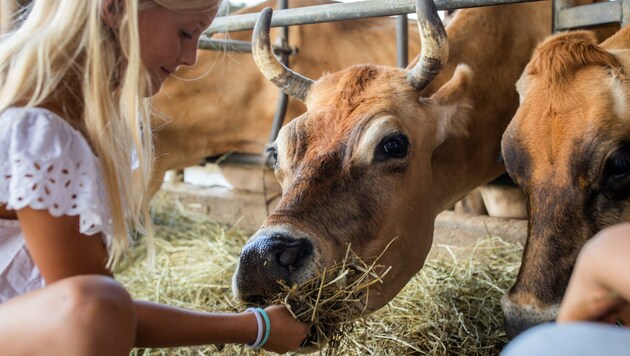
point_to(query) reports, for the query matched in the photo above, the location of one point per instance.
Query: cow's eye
(392, 146)
(617, 166)
(272, 156)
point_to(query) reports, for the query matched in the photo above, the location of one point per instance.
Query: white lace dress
(44, 164)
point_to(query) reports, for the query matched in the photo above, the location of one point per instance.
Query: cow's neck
(496, 42)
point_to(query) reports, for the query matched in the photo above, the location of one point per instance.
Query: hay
(451, 307)
(325, 300)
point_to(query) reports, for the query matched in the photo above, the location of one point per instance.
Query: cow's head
(356, 169)
(568, 147)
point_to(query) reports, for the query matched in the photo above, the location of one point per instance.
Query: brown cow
(231, 106)
(377, 155)
(568, 147)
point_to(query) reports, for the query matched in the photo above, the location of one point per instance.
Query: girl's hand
(587, 301)
(591, 294)
(287, 334)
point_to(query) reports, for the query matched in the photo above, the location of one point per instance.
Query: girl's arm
(60, 251)
(58, 248)
(164, 326)
(599, 289)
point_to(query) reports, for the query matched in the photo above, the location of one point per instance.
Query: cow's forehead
(561, 127)
(361, 88)
(342, 102)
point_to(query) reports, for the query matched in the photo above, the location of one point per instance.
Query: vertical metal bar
(402, 40)
(284, 36)
(283, 99)
(558, 5)
(625, 12)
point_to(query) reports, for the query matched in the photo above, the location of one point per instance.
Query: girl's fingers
(619, 315)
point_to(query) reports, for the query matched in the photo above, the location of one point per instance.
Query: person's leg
(83, 315)
(571, 339)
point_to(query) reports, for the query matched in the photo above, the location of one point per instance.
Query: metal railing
(342, 11)
(568, 17)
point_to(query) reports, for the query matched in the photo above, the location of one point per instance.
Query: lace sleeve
(47, 164)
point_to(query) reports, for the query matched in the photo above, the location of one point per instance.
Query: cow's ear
(454, 104)
(623, 57)
(456, 88)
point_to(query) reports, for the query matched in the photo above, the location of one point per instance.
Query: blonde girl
(75, 156)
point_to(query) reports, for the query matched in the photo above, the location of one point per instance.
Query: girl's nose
(189, 54)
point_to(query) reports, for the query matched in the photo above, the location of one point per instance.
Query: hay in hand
(326, 300)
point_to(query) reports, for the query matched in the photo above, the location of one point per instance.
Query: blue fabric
(574, 339)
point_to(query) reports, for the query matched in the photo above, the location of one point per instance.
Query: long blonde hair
(61, 52)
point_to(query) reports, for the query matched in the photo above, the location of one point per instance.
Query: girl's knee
(97, 309)
(97, 294)
(608, 239)
(610, 234)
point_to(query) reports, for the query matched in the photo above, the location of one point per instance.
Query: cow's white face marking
(283, 162)
(375, 132)
(619, 97)
(281, 149)
(521, 88)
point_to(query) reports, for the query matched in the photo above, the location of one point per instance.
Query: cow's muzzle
(270, 257)
(520, 317)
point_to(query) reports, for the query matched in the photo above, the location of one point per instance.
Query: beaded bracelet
(259, 321)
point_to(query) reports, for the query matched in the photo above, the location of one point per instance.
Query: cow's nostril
(293, 252)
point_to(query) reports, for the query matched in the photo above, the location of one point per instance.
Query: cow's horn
(434, 45)
(290, 82)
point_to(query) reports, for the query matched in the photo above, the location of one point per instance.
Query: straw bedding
(451, 307)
